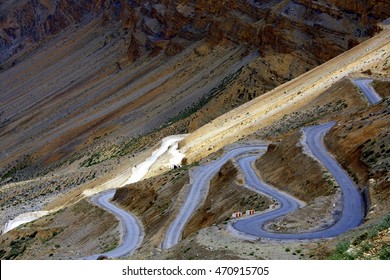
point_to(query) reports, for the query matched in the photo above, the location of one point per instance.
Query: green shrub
(385, 253)
(341, 251)
(385, 224)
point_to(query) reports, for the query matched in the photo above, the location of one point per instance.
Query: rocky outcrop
(128, 15)
(133, 50)
(320, 29)
(369, 10)
(31, 21)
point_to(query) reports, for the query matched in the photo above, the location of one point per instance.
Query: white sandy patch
(177, 156)
(23, 218)
(168, 146)
(139, 172)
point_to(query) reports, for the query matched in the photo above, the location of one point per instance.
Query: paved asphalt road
(368, 90)
(200, 179)
(132, 233)
(352, 213)
(351, 216)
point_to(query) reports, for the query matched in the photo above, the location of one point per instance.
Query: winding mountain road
(200, 180)
(351, 215)
(132, 232)
(368, 91)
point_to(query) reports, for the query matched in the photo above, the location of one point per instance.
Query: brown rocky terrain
(225, 196)
(146, 29)
(302, 175)
(290, 97)
(156, 201)
(382, 87)
(266, 23)
(70, 233)
(370, 241)
(360, 144)
(89, 89)
(285, 166)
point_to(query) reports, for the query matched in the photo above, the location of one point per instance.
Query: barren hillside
(89, 90)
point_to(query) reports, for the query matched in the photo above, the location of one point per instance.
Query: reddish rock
(174, 47)
(323, 28)
(133, 51)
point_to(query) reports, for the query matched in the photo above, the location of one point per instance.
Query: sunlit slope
(284, 99)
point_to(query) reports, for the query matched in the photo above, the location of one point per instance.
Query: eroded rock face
(321, 29)
(26, 22)
(369, 10)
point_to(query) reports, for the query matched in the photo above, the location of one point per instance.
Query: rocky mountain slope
(101, 39)
(89, 88)
(323, 28)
